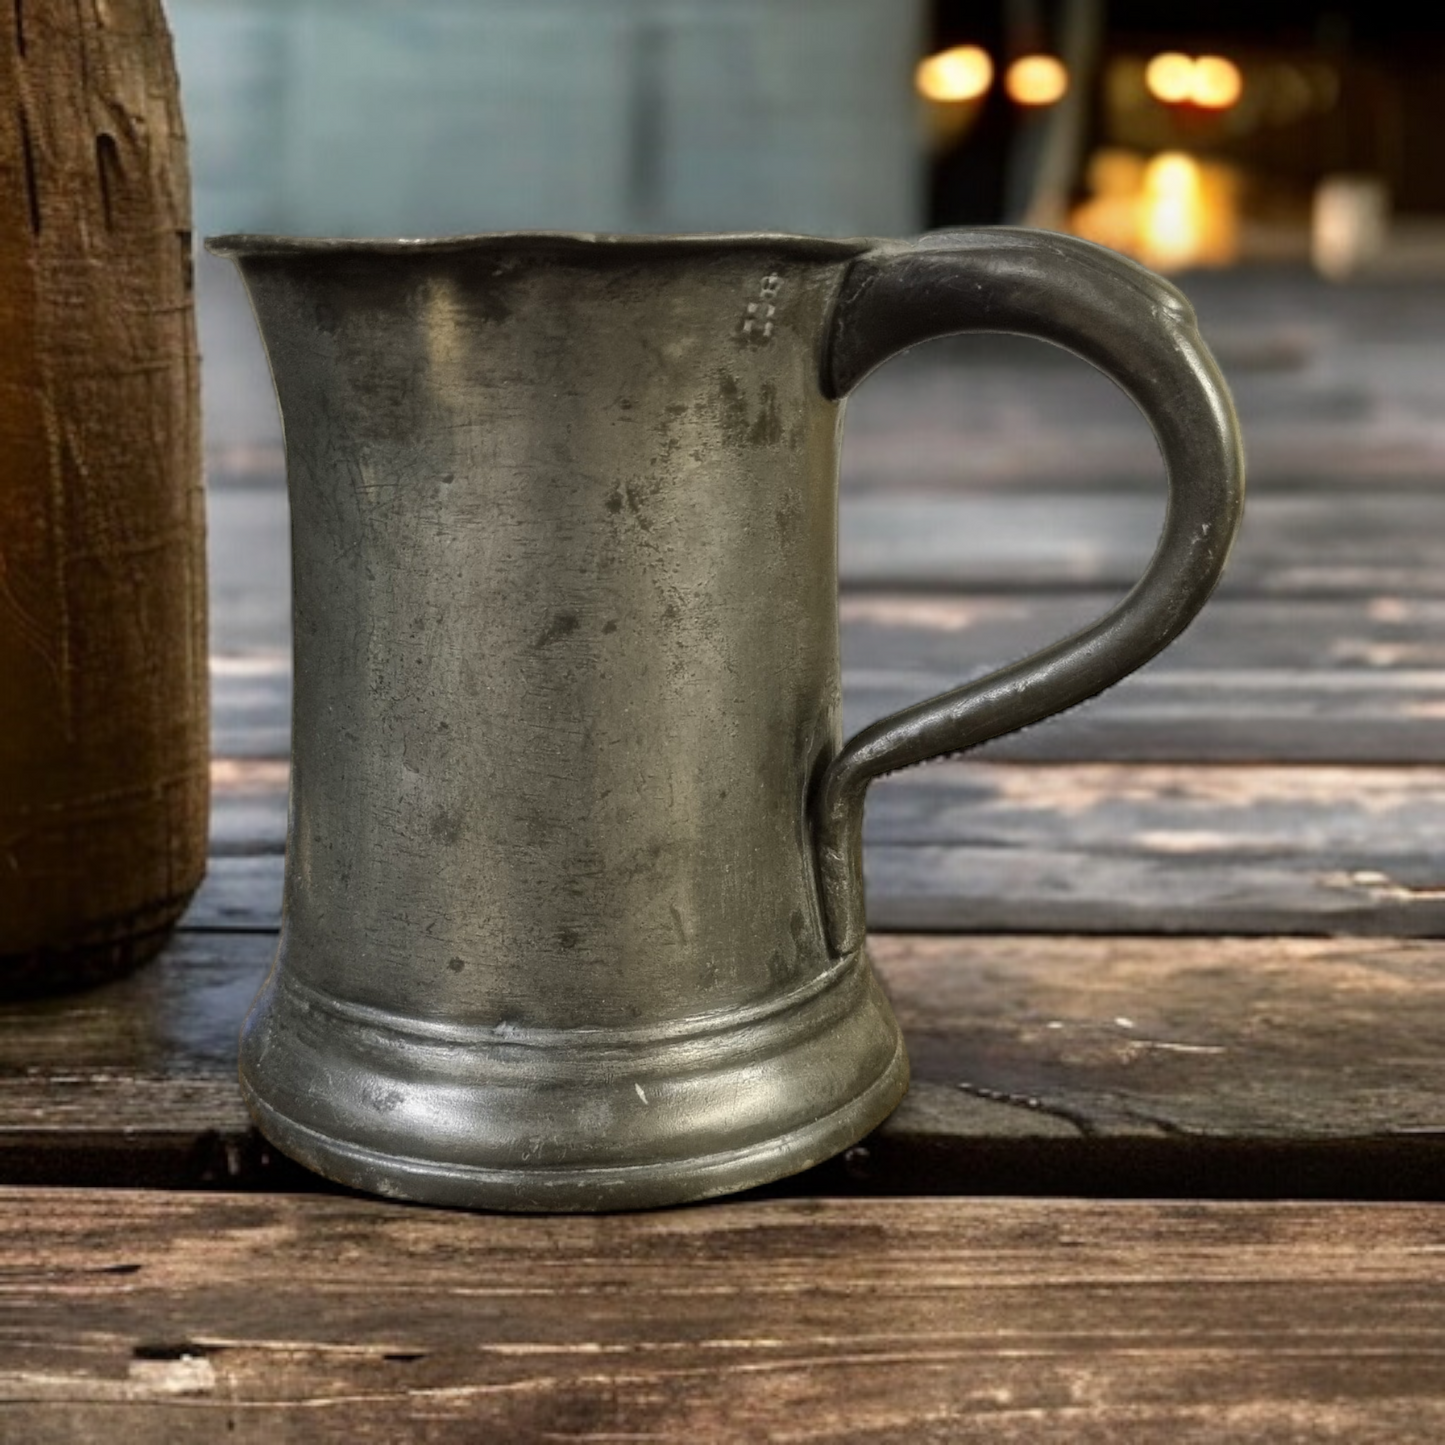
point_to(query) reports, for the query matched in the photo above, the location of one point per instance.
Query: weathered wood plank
(1205, 1037)
(138, 1317)
(970, 888)
(240, 894)
(1113, 848)
(1171, 715)
(248, 806)
(1358, 679)
(249, 560)
(1380, 539)
(176, 1020)
(938, 632)
(1166, 713)
(1096, 848)
(251, 705)
(1338, 385)
(1256, 679)
(1186, 1067)
(947, 425)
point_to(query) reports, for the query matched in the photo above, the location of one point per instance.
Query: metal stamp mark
(758, 321)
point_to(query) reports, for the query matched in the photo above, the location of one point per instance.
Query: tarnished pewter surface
(573, 909)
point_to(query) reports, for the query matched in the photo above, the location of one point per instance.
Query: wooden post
(103, 698)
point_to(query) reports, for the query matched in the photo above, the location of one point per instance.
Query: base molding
(509, 1126)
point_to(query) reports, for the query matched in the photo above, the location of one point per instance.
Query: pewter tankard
(573, 905)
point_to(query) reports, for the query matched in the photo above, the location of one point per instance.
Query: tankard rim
(249, 245)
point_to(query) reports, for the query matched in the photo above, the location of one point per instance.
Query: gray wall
(415, 117)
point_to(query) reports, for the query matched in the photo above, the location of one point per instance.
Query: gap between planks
(1107, 1066)
(1038, 847)
(1379, 539)
(1358, 679)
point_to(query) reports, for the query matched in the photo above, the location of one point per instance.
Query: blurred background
(1194, 134)
(1280, 161)
(1299, 138)
(376, 117)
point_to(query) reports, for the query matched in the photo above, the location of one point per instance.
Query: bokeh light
(1217, 83)
(1173, 210)
(963, 73)
(1170, 77)
(1211, 82)
(1036, 80)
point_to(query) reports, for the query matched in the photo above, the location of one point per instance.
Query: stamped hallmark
(758, 322)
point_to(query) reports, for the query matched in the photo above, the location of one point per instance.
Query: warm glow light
(1036, 80)
(1170, 77)
(1217, 83)
(1172, 173)
(1173, 210)
(963, 73)
(1211, 81)
(1350, 224)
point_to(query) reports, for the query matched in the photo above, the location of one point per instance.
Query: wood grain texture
(251, 705)
(1337, 388)
(1158, 848)
(1162, 714)
(1350, 672)
(1080, 847)
(1380, 539)
(1255, 679)
(102, 580)
(1362, 711)
(142, 1317)
(1377, 539)
(1108, 1066)
(1384, 634)
(1355, 679)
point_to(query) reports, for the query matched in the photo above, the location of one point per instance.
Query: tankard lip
(250, 245)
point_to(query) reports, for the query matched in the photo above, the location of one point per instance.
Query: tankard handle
(1140, 331)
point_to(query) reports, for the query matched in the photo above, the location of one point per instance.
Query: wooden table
(1170, 1165)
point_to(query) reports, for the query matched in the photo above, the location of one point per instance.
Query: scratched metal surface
(566, 767)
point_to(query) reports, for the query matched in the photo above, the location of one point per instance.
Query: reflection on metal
(573, 908)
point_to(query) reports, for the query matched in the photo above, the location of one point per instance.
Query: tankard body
(573, 911)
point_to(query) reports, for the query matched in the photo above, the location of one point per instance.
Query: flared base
(572, 1120)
